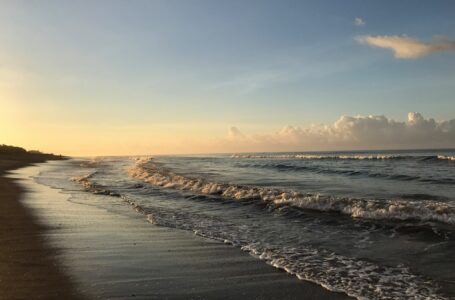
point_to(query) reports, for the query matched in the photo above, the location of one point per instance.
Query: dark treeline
(8, 150)
(11, 149)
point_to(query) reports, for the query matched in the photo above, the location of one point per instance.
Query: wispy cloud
(405, 47)
(348, 132)
(250, 82)
(359, 22)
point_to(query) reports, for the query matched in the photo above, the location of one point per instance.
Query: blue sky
(199, 67)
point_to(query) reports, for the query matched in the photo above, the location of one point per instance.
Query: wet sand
(28, 269)
(111, 252)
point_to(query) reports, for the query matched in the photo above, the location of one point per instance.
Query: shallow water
(372, 225)
(111, 252)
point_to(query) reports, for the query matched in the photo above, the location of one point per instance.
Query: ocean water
(374, 225)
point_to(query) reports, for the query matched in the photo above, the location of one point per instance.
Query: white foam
(310, 156)
(84, 180)
(358, 278)
(443, 157)
(89, 186)
(356, 208)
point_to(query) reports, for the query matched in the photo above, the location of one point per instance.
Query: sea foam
(344, 157)
(444, 157)
(394, 209)
(356, 277)
(311, 156)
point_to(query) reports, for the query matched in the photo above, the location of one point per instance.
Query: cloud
(405, 47)
(251, 82)
(349, 133)
(235, 133)
(359, 22)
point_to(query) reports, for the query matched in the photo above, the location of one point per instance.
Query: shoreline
(28, 269)
(110, 251)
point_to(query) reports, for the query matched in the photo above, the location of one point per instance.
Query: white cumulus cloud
(405, 47)
(352, 132)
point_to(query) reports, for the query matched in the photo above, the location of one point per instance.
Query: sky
(164, 77)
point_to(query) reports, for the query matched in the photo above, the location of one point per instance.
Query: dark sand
(27, 266)
(112, 252)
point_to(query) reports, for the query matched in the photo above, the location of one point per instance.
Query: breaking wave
(443, 157)
(397, 209)
(89, 186)
(345, 157)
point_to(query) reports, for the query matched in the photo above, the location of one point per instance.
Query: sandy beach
(61, 248)
(28, 269)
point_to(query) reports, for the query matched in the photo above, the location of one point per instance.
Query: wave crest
(89, 186)
(311, 156)
(423, 210)
(444, 157)
(344, 157)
